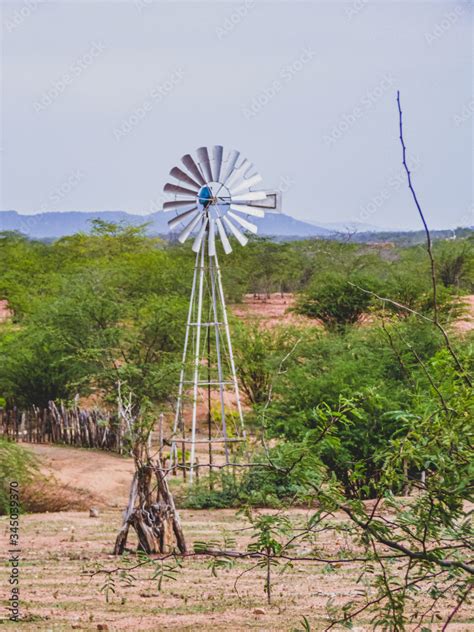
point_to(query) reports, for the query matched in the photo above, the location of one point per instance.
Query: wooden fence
(57, 424)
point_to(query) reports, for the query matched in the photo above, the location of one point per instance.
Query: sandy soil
(466, 323)
(276, 309)
(58, 548)
(5, 312)
(106, 475)
(271, 310)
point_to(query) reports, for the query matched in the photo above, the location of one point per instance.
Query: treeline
(92, 311)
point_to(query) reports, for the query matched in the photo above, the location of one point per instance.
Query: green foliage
(219, 491)
(285, 474)
(16, 464)
(100, 308)
(366, 375)
(336, 299)
(260, 354)
(455, 263)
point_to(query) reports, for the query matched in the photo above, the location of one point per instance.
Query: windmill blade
(238, 234)
(198, 241)
(181, 217)
(248, 210)
(230, 164)
(179, 174)
(191, 166)
(173, 205)
(212, 238)
(205, 163)
(243, 222)
(177, 190)
(239, 173)
(248, 197)
(223, 235)
(247, 184)
(189, 228)
(217, 162)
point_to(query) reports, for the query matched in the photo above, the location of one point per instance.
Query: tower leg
(179, 403)
(215, 312)
(229, 345)
(197, 360)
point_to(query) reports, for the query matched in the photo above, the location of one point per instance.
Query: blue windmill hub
(205, 196)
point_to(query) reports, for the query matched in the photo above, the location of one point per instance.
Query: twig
(384, 299)
(429, 249)
(429, 246)
(426, 372)
(373, 602)
(456, 609)
(428, 556)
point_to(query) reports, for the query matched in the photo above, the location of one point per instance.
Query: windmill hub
(206, 197)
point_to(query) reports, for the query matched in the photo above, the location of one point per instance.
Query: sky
(101, 99)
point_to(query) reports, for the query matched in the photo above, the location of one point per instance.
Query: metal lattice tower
(213, 199)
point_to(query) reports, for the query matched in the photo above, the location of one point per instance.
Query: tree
(335, 299)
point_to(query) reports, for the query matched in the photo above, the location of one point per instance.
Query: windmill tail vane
(214, 199)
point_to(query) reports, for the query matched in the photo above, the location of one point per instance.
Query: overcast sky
(100, 100)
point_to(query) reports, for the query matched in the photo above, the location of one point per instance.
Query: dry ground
(276, 309)
(56, 548)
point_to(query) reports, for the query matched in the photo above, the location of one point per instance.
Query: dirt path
(106, 475)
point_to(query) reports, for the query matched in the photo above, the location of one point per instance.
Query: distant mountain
(58, 224)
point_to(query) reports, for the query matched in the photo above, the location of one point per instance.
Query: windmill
(214, 198)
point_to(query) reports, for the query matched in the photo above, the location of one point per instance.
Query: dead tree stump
(151, 512)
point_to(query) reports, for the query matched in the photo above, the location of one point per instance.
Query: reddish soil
(276, 309)
(5, 311)
(106, 475)
(271, 310)
(466, 322)
(57, 548)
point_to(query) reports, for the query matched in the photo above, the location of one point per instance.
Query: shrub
(288, 473)
(334, 299)
(16, 464)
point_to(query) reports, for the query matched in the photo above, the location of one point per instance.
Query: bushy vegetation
(17, 465)
(92, 310)
(372, 399)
